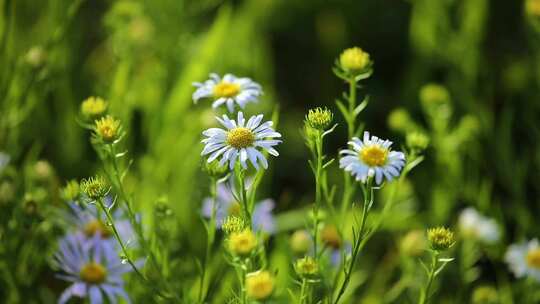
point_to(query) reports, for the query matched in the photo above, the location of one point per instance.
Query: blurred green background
(142, 56)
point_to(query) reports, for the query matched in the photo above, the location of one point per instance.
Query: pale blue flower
(94, 269)
(241, 141)
(229, 90)
(370, 157)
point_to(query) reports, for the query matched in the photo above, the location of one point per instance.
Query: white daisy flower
(241, 141)
(474, 225)
(372, 157)
(524, 259)
(228, 90)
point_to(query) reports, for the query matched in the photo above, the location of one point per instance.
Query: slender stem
(348, 189)
(318, 186)
(303, 291)
(119, 239)
(211, 236)
(424, 295)
(368, 199)
(243, 197)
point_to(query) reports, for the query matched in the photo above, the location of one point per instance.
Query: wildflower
(306, 267)
(417, 141)
(94, 269)
(259, 285)
(36, 56)
(476, 226)
(93, 107)
(107, 129)
(485, 295)
(400, 120)
(372, 157)
(300, 242)
(95, 187)
(354, 60)
(524, 259)
(71, 191)
(413, 243)
(241, 141)
(229, 90)
(233, 224)
(242, 243)
(330, 237)
(433, 94)
(338, 255)
(440, 238)
(226, 205)
(89, 222)
(43, 170)
(319, 118)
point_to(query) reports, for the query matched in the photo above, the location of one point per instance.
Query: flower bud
(233, 224)
(107, 129)
(485, 295)
(95, 187)
(306, 267)
(300, 242)
(214, 169)
(93, 107)
(440, 238)
(259, 285)
(319, 118)
(354, 60)
(330, 237)
(417, 141)
(242, 243)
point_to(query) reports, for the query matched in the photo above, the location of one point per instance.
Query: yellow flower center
(533, 258)
(93, 273)
(107, 128)
(226, 89)
(96, 226)
(374, 156)
(240, 138)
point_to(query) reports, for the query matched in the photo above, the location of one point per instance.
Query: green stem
(318, 186)
(424, 295)
(211, 237)
(348, 189)
(125, 253)
(303, 291)
(243, 197)
(368, 199)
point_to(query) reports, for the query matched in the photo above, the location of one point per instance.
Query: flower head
(417, 141)
(319, 118)
(354, 60)
(476, 226)
(485, 295)
(301, 242)
(94, 269)
(259, 285)
(226, 206)
(107, 129)
(306, 267)
(95, 187)
(241, 141)
(524, 259)
(372, 157)
(93, 107)
(242, 243)
(440, 238)
(229, 90)
(88, 222)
